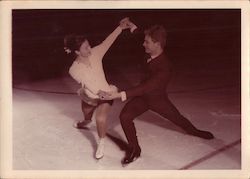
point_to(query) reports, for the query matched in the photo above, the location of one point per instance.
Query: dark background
(200, 41)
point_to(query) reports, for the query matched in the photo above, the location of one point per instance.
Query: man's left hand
(108, 95)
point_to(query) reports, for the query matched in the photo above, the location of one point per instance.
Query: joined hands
(103, 95)
(125, 23)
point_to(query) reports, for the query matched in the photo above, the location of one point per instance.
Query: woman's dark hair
(158, 34)
(73, 42)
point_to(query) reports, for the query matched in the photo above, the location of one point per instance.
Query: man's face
(150, 46)
(85, 49)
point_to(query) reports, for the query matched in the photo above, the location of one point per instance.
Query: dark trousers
(157, 103)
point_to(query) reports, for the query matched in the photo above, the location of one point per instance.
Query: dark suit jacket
(157, 75)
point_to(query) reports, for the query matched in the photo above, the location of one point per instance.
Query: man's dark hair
(158, 34)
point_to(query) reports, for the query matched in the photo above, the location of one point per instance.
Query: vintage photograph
(126, 89)
(177, 70)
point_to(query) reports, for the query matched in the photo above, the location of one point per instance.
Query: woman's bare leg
(101, 120)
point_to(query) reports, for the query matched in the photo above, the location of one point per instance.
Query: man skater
(151, 94)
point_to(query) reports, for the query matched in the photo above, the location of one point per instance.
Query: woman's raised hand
(125, 23)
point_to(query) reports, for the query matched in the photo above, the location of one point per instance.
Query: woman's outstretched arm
(106, 44)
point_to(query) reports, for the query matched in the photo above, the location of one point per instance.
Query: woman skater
(87, 69)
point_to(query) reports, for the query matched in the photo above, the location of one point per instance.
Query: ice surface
(44, 137)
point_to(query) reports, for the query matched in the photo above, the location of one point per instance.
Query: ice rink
(44, 137)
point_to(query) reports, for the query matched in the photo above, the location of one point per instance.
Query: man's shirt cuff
(133, 28)
(123, 96)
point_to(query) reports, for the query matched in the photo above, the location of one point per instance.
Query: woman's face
(84, 50)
